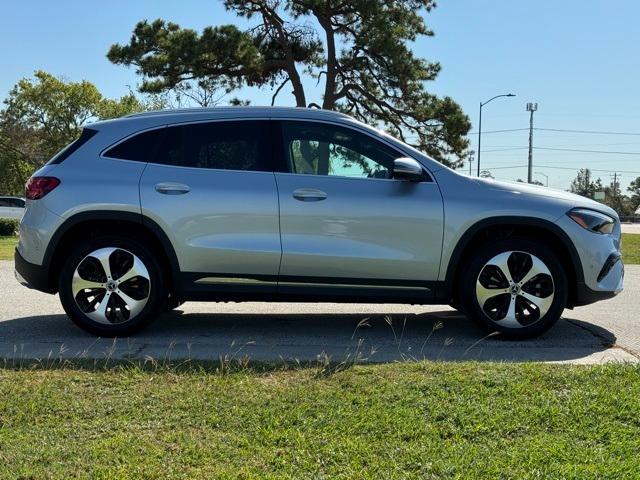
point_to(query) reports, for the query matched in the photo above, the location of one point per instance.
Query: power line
(575, 169)
(586, 151)
(608, 152)
(592, 132)
(499, 131)
(564, 130)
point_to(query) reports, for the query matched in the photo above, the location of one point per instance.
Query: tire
(528, 305)
(132, 303)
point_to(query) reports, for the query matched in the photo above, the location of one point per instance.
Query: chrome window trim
(347, 125)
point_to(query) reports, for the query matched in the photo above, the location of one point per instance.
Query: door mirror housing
(406, 168)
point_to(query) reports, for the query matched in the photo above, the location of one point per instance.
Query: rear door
(346, 220)
(211, 187)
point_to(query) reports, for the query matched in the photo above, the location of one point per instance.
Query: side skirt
(222, 288)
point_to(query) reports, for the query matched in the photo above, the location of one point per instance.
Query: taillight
(38, 187)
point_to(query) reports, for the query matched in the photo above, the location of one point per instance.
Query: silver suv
(285, 204)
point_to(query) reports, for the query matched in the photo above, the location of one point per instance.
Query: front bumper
(32, 275)
(600, 271)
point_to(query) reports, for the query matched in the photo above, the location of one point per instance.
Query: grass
(416, 420)
(631, 248)
(7, 244)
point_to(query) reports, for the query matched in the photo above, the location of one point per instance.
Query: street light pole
(546, 178)
(482, 104)
(531, 107)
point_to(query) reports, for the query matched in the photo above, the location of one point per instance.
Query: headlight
(591, 220)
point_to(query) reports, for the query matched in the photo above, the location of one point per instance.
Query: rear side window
(86, 135)
(240, 145)
(141, 147)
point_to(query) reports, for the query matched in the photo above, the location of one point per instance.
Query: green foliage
(359, 49)
(8, 226)
(584, 184)
(42, 115)
(634, 189)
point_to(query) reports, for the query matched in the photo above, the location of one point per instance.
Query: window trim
(269, 138)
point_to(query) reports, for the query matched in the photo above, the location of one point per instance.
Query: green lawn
(7, 244)
(631, 248)
(412, 420)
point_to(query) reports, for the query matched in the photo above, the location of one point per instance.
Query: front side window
(323, 149)
(240, 145)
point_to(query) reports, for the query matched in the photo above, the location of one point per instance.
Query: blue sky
(577, 59)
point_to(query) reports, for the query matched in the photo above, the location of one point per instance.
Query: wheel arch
(87, 224)
(509, 226)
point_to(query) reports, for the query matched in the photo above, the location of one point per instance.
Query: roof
(242, 110)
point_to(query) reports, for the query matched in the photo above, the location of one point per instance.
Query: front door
(345, 220)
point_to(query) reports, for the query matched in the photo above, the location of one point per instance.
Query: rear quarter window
(141, 147)
(86, 135)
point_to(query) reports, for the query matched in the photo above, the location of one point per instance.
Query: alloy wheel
(111, 285)
(515, 289)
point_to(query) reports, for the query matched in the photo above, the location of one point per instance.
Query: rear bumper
(32, 275)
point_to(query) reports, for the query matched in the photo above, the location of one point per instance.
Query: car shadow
(283, 337)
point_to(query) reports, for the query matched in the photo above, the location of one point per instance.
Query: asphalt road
(34, 326)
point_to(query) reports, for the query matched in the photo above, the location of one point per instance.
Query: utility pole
(531, 107)
(614, 185)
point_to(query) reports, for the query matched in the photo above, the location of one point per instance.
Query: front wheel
(516, 286)
(111, 286)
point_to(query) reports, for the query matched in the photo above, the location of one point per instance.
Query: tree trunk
(329, 101)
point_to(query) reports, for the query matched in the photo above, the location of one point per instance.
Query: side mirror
(406, 168)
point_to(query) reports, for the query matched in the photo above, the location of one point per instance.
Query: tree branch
(273, 98)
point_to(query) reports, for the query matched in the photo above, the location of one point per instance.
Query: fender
(466, 238)
(132, 217)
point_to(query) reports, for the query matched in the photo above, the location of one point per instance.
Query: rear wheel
(516, 287)
(112, 286)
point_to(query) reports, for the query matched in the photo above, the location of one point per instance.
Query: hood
(536, 191)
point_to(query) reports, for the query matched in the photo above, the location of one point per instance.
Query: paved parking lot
(33, 325)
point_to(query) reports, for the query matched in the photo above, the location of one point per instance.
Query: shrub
(9, 226)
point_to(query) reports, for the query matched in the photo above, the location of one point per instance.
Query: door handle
(309, 195)
(172, 188)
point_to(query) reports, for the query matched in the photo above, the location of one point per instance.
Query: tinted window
(241, 145)
(63, 154)
(17, 202)
(141, 147)
(322, 149)
(4, 202)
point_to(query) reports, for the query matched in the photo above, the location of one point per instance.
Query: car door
(344, 219)
(211, 188)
